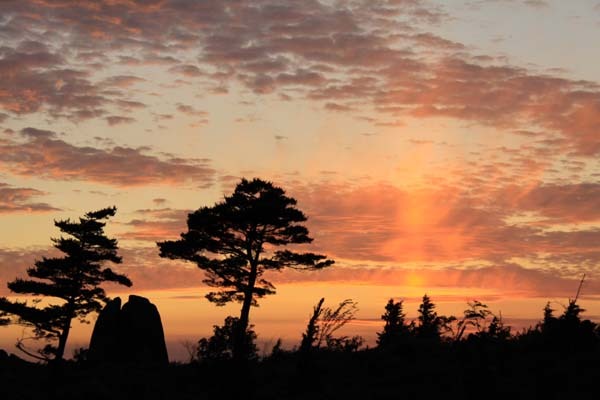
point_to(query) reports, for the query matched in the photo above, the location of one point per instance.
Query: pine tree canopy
(235, 241)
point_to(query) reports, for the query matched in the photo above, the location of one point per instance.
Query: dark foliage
(474, 317)
(309, 337)
(75, 279)
(429, 322)
(344, 343)
(496, 330)
(235, 242)
(395, 331)
(277, 350)
(567, 332)
(430, 325)
(220, 345)
(80, 355)
(4, 318)
(322, 325)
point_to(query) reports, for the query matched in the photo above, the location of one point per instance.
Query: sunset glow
(447, 148)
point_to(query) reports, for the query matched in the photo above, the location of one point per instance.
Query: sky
(440, 147)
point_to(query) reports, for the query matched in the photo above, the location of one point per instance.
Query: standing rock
(142, 336)
(132, 334)
(104, 345)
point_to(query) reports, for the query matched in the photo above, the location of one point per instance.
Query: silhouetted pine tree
(74, 278)
(497, 330)
(236, 241)
(429, 322)
(395, 329)
(568, 330)
(550, 322)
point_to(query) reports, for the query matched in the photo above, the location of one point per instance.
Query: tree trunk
(62, 340)
(239, 343)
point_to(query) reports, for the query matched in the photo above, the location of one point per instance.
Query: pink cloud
(446, 225)
(558, 203)
(44, 155)
(19, 200)
(378, 223)
(508, 280)
(157, 224)
(122, 81)
(118, 120)
(189, 110)
(380, 53)
(187, 70)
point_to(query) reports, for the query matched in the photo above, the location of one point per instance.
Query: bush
(220, 345)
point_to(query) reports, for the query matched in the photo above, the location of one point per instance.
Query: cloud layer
(441, 224)
(42, 154)
(542, 234)
(20, 200)
(378, 55)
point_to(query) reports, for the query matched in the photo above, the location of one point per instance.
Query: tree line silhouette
(235, 242)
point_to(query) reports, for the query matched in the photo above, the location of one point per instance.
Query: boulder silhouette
(142, 336)
(105, 345)
(131, 334)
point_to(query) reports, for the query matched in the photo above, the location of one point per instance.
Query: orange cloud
(18, 200)
(379, 54)
(150, 272)
(504, 280)
(41, 154)
(435, 227)
(157, 225)
(441, 226)
(447, 225)
(118, 119)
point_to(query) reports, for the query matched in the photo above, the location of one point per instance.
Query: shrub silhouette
(568, 330)
(475, 317)
(220, 346)
(310, 336)
(496, 330)
(324, 322)
(485, 359)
